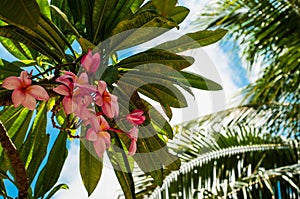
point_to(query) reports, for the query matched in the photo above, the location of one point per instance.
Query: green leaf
(56, 189)
(165, 6)
(3, 175)
(36, 134)
(200, 82)
(121, 166)
(90, 166)
(8, 69)
(38, 156)
(44, 7)
(20, 12)
(193, 40)
(29, 40)
(179, 13)
(166, 58)
(141, 28)
(50, 173)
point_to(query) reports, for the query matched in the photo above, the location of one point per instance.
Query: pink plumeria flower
(107, 101)
(99, 136)
(136, 117)
(73, 87)
(90, 62)
(133, 135)
(24, 93)
(66, 89)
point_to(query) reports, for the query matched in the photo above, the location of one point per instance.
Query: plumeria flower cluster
(80, 95)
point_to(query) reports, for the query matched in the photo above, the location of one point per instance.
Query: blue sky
(212, 61)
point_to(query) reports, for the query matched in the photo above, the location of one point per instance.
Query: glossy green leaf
(50, 173)
(3, 175)
(15, 33)
(177, 62)
(20, 12)
(44, 7)
(90, 166)
(165, 6)
(56, 189)
(122, 167)
(193, 40)
(141, 28)
(36, 133)
(101, 12)
(38, 156)
(8, 69)
(179, 13)
(199, 82)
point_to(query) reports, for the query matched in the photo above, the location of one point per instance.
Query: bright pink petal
(106, 137)
(100, 147)
(101, 87)
(62, 90)
(98, 99)
(25, 79)
(86, 61)
(132, 148)
(29, 102)
(91, 135)
(103, 123)
(12, 83)
(95, 63)
(110, 109)
(136, 117)
(38, 92)
(83, 79)
(133, 133)
(69, 105)
(18, 97)
(94, 122)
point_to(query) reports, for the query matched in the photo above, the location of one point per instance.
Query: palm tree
(267, 32)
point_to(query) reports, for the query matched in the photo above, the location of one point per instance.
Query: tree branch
(16, 162)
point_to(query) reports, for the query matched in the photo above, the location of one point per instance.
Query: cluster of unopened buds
(80, 95)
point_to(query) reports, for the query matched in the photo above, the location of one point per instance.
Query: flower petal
(37, 92)
(132, 148)
(106, 137)
(99, 147)
(95, 63)
(133, 133)
(103, 123)
(18, 97)
(12, 83)
(69, 105)
(26, 81)
(29, 102)
(62, 90)
(91, 135)
(101, 87)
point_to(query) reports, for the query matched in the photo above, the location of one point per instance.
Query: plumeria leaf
(38, 156)
(90, 166)
(122, 167)
(56, 189)
(193, 40)
(8, 69)
(20, 12)
(176, 62)
(51, 171)
(44, 7)
(36, 133)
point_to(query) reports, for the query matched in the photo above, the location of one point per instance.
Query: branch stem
(16, 163)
